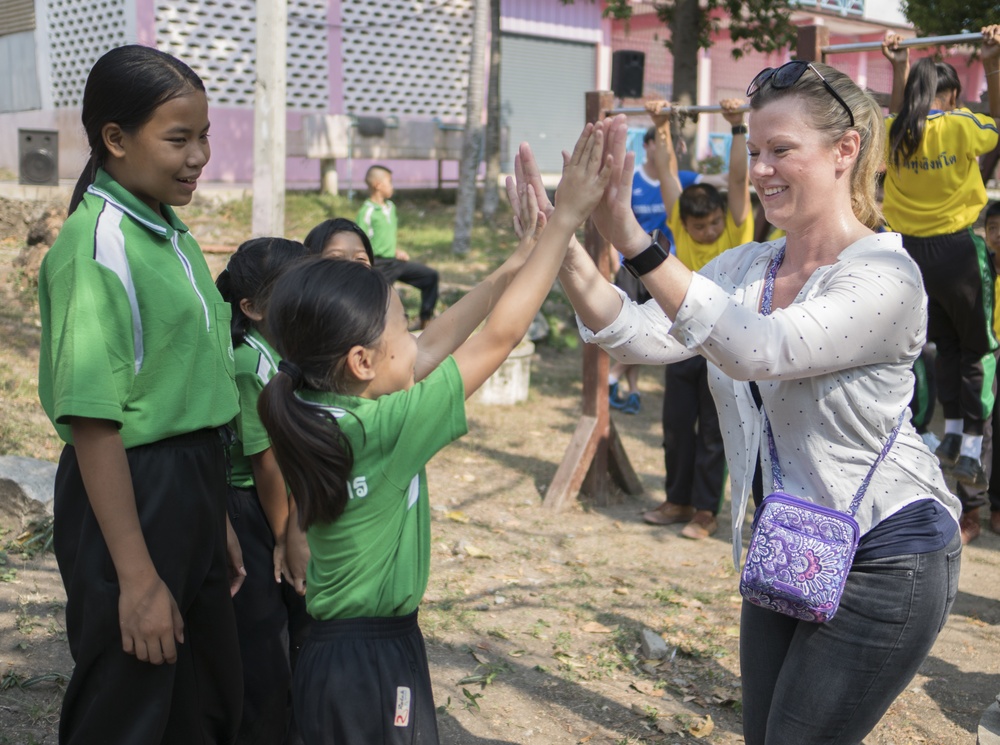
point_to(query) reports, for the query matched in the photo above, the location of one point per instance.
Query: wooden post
(595, 452)
(269, 120)
(328, 179)
(810, 43)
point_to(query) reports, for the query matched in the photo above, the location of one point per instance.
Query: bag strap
(765, 308)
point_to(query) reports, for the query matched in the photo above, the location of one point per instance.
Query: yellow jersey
(939, 190)
(695, 255)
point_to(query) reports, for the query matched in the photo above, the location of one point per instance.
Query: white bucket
(510, 383)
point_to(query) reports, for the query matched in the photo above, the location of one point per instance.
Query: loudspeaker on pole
(627, 66)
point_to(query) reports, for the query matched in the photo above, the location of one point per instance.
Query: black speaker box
(38, 157)
(627, 68)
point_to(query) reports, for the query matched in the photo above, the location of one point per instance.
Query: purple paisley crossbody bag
(800, 553)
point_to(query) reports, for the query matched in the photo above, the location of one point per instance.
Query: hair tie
(293, 371)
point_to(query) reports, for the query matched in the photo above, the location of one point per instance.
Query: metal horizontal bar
(713, 109)
(915, 43)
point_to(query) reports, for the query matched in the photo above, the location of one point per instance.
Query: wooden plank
(571, 472)
(619, 465)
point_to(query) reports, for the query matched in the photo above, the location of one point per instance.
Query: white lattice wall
(217, 38)
(80, 31)
(407, 57)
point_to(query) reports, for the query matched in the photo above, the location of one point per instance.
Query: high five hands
(612, 211)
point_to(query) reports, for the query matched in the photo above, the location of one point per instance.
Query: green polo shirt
(133, 328)
(374, 560)
(256, 363)
(380, 223)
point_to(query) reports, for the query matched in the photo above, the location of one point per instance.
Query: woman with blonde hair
(810, 341)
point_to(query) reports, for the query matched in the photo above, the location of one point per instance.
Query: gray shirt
(834, 371)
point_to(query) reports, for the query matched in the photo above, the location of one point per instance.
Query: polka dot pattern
(833, 369)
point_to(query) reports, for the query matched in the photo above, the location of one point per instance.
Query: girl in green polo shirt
(136, 374)
(356, 410)
(270, 614)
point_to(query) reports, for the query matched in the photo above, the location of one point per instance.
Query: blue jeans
(807, 683)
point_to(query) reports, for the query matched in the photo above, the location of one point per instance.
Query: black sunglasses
(787, 75)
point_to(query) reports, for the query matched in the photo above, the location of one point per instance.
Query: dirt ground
(532, 618)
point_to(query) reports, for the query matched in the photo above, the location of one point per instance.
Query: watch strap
(648, 259)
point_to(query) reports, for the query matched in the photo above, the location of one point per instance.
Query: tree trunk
(491, 192)
(684, 35)
(466, 200)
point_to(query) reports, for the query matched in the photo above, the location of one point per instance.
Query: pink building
(720, 76)
(405, 60)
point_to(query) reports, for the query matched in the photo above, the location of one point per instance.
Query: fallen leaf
(593, 627)
(668, 726)
(481, 659)
(646, 687)
(475, 553)
(702, 727)
(457, 516)
(620, 591)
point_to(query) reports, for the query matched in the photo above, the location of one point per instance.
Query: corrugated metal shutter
(16, 16)
(543, 82)
(19, 90)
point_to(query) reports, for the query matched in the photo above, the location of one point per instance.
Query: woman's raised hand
(613, 216)
(585, 176)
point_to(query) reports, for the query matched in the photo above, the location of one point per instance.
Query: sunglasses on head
(787, 75)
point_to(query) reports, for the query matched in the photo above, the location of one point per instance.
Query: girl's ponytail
(319, 310)
(927, 80)
(87, 177)
(314, 456)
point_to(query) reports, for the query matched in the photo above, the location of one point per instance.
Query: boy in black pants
(377, 217)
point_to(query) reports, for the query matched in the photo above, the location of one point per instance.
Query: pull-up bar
(916, 43)
(670, 108)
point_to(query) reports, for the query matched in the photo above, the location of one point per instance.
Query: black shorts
(364, 680)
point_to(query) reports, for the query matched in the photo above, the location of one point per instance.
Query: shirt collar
(109, 190)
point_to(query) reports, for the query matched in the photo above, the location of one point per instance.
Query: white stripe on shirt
(109, 251)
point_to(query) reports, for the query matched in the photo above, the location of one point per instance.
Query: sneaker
(615, 401)
(632, 403)
(947, 452)
(702, 525)
(969, 471)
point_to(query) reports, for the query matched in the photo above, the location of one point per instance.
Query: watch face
(661, 240)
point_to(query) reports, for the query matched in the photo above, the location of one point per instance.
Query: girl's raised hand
(891, 50)
(585, 176)
(731, 110)
(529, 219)
(991, 42)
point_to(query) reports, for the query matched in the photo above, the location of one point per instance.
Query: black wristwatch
(650, 258)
